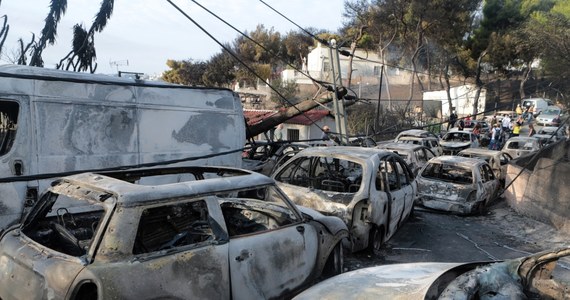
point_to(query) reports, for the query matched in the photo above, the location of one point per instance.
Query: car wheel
(375, 239)
(335, 262)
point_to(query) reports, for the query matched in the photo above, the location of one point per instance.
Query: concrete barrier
(540, 189)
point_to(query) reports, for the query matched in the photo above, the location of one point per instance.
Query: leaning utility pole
(338, 104)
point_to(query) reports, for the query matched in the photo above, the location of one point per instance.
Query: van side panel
(73, 121)
(83, 136)
(193, 125)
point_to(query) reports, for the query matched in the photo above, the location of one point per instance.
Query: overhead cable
(242, 62)
(261, 45)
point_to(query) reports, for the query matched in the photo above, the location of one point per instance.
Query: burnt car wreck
(194, 232)
(371, 190)
(538, 276)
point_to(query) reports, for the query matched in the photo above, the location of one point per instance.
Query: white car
(420, 137)
(538, 276)
(372, 190)
(415, 155)
(549, 134)
(178, 233)
(497, 160)
(457, 140)
(521, 145)
(457, 184)
(547, 116)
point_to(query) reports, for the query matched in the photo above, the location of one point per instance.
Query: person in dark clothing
(452, 120)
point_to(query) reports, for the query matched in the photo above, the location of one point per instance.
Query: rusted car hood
(401, 281)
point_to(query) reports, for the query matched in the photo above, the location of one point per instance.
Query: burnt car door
(272, 249)
(489, 182)
(179, 251)
(400, 191)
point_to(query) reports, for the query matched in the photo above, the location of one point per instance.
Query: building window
(326, 66)
(293, 135)
(377, 70)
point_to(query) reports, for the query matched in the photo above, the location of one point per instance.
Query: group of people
(507, 128)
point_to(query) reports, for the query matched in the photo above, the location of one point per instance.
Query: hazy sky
(148, 32)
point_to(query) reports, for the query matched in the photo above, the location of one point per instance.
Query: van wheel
(335, 262)
(375, 239)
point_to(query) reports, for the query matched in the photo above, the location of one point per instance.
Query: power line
(261, 45)
(242, 62)
(303, 29)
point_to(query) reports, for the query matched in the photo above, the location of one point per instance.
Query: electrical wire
(261, 45)
(242, 62)
(301, 28)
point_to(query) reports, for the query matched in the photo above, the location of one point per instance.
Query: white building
(462, 100)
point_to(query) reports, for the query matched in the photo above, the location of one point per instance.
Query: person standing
(278, 136)
(556, 121)
(495, 133)
(506, 122)
(531, 130)
(518, 110)
(530, 113)
(516, 129)
(468, 121)
(452, 120)
(325, 135)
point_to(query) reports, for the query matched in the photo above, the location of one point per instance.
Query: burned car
(420, 137)
(184, 233)
(538, 276)
(372, 190)
(549, 134)
(521, 145)
(457, 140)
(415, 155)
(457, 184)
(496, 159)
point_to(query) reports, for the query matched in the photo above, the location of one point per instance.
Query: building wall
(541, 190)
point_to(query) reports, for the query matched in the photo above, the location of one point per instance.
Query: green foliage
(288, 89)
(295, 47)
(220, 70)
(185, 72)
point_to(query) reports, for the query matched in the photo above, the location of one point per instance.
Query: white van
(538, 103)
(55, 122)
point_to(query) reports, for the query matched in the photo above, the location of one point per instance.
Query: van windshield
(8, 124)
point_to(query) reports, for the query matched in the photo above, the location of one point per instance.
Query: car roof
(400, 146)
(521, 139)
(415, 133)
(355, 153)
(480, 151)
(457, 160)
(118, 183)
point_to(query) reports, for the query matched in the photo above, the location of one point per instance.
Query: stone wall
(541, 190)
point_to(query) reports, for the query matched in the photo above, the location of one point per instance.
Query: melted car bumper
(458, 207)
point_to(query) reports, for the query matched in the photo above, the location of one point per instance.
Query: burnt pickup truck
(177, 233)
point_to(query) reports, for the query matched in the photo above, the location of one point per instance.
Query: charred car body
(521, 145)
(538, 276)
(415, 155)
(496, 159)
(457, 140)
(197, 232)
(420, 137)
(372, 190)
(457, 184)
(549, 134)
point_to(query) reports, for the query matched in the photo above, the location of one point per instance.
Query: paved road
(437, 237)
